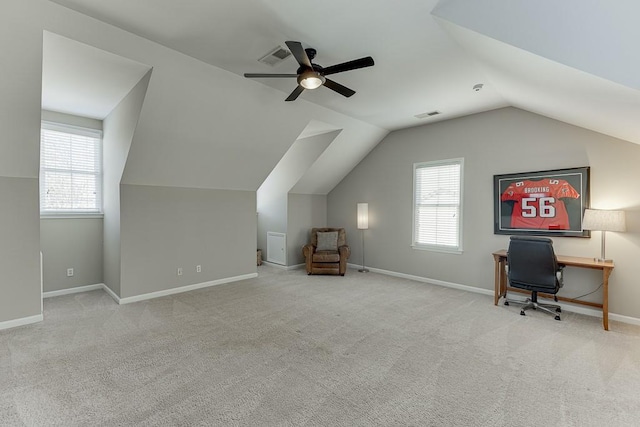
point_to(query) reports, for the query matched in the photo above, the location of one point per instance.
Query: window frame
(81, 131)
(435, 247)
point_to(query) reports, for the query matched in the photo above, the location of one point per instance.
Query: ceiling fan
(312, 76)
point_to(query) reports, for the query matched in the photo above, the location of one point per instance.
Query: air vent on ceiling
(275, 56)
(425, 115)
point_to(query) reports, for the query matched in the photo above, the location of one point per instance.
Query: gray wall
(119, 127)
(189, 134)
(496, 142)
(163, 228)
(305, 211)
(20, 93)
(71, 243)
(272, 196)
(19, 248)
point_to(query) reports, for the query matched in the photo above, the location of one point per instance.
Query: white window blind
(70, 170)
(438, 205)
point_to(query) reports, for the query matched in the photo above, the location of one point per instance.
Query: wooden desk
(500, 259)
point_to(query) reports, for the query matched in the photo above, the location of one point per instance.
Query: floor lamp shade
(602, 220)
(363, 224)
(363, 216)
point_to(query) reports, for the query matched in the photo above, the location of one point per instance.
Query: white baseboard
(150, 295)
(427, 280)
(565, 306)
(75, 290)
(112, 294)
(181, 289)
(624, 319)
(21, 322)
(285, 267)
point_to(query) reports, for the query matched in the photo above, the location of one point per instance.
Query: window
(70, 170)
(437, 202)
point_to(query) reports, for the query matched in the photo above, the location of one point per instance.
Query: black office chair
(533, 266)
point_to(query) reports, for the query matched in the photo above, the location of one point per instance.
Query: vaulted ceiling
(567, 60)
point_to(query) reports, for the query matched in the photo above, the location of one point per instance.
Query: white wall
(70, 119)
(501, 141)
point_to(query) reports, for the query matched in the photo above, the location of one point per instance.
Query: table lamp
(603, 220)
(363, 224)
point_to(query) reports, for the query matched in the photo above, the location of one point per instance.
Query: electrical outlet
(198, 268)
(179, 271)
(69, 272)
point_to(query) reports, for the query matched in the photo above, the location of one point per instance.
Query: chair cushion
(327, 241)
(326, 256)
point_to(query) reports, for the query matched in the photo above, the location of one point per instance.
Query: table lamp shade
(363, 216)
(603, 220)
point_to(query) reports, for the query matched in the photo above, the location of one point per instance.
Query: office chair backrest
(532, 264)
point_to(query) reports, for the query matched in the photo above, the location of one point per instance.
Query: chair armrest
(345, 251)
(560, 274)
(307, 250)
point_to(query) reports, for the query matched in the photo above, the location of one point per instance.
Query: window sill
(437, 249)
(72, 216)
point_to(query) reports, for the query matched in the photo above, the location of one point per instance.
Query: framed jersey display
(548, 203)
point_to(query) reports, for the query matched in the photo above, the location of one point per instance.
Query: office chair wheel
(506, 303)
(557, 317)
(522, 313)
(558, 310)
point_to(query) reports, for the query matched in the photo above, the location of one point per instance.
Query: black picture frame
(542, 203)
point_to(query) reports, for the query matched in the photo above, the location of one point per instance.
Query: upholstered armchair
(328, 251)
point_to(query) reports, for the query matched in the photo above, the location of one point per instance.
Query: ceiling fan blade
(260, 75)
(342, 90)
(347, 66)
(295, 94)
(298, 52)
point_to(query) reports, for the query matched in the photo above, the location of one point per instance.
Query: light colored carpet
(291, 349)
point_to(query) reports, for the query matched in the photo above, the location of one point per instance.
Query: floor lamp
(363, 224)
(603, 221)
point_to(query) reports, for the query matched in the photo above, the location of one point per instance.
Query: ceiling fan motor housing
(311, 53)
(312, 76)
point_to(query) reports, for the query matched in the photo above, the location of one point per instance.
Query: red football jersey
(538, 205)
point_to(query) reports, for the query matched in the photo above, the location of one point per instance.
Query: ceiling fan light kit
(311, 79)
(312, 76)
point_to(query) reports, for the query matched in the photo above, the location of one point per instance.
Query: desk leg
(503, 277)
(605, 298)
(497, 279)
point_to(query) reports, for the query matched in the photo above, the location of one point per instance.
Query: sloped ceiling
(419, 68)
(84, 81)
(421, 64)
(204, 125)
(572, 61)
(201, 126)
